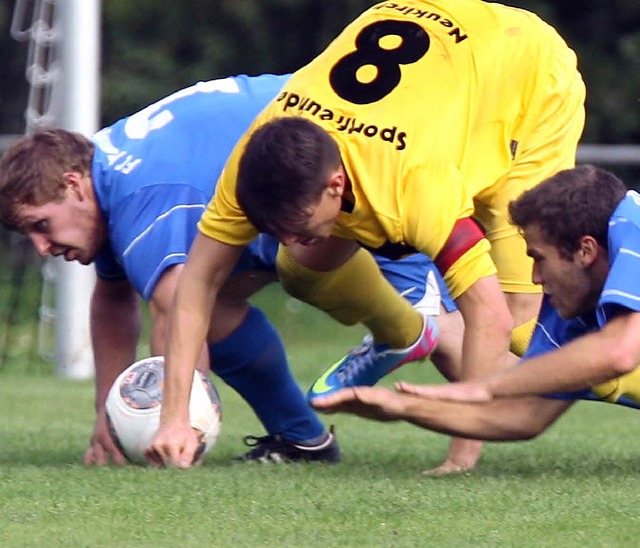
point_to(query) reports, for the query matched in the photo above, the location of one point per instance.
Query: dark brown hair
(569, 205)
(283, 170)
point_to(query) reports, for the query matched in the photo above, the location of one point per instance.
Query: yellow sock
(626, 385)
(521, 337)
(355, 292)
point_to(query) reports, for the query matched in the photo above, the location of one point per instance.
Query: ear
(337, 182)
(589, 251)
(75, 184)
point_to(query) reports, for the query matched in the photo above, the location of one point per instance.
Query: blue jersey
(155, 171)
(621, 293)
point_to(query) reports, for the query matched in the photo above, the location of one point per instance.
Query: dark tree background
(13, 86)
(153, 47)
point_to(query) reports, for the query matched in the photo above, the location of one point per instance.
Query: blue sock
(253, 362)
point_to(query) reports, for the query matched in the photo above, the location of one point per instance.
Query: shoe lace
(358, 360)
(255, 441)
(261, 445)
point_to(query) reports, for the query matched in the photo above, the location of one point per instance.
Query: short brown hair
(32, 170)
(284, 168)
(569, 205)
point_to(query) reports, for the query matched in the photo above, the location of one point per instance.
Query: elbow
(498, 320)
(525, 430)
(529, 432)
(621, 360)
(618, 346)
(517, 419)
(503, 325)
(502, 321)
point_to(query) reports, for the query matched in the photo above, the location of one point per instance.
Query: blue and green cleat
(369, 362)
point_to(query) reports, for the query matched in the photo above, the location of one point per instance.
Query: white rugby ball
(134, 402)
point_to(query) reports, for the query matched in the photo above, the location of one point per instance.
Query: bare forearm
(487, 329)
(204, 274)
(586, 361)
(498, 420)
(485, 349)
(115, 329)
(495, 420)
(567, 370)
(160, 305)
(187, 335)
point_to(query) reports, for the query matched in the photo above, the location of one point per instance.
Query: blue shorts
(419, 281)
(590, 396)
(415, 277)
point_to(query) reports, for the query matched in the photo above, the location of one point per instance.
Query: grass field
(575, 486)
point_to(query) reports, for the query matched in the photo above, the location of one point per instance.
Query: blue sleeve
(153, 230)
(552, 331)
(621, 289)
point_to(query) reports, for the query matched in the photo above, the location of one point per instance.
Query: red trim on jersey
(465, 234)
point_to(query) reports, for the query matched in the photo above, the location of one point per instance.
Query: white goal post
(79, 22)
(63, 70)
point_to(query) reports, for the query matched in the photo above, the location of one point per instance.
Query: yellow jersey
(427, 101)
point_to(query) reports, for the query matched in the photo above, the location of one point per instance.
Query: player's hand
(371, 402)
(470, 392)
(463, 457)
(447, 468)
(174, 444)
(102, 449)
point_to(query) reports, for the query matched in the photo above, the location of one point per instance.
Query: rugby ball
(134, 402)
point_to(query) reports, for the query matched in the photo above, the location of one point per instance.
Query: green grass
(576, 485)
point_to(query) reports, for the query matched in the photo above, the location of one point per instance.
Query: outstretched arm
(588, 360)
(499, 420)
(209, 264)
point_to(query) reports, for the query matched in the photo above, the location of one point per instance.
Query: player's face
(319, 224)
(72, 228)
(566, 281)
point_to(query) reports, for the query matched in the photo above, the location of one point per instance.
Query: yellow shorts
(547, 138)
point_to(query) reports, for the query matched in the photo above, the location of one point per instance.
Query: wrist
(494, 387)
